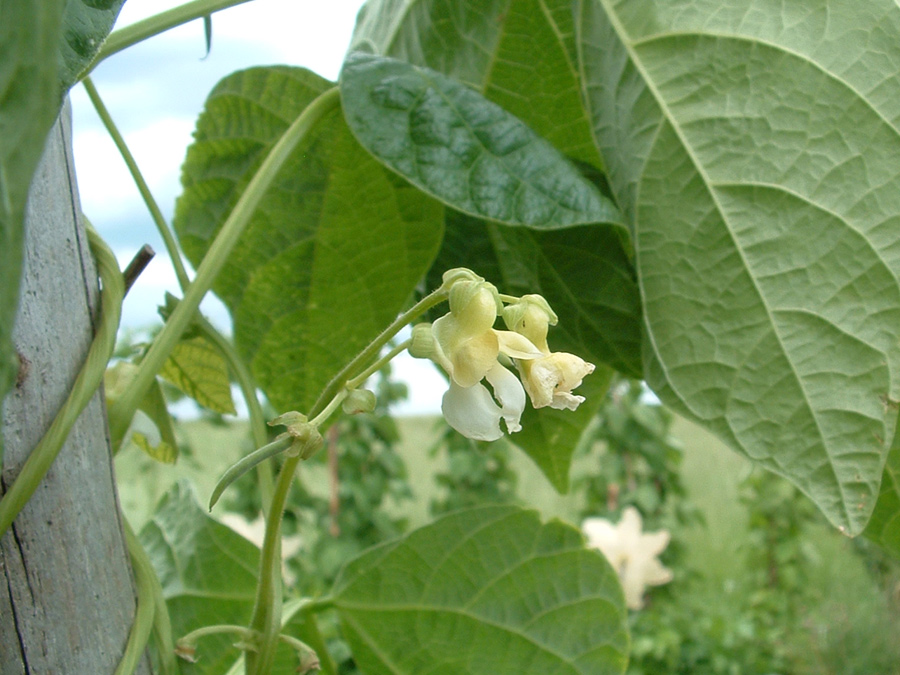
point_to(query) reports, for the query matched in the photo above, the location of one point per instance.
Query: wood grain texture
(66, 591)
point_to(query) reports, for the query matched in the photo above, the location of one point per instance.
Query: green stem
(267, 610)
(192, 637)
(143, 188)
(371, 352)
(308, 630)
(320, 419)
(240, 371)
(144, 578)
(121, 413)
(258, 427)
(86, 384)
(159, 23)
(378, 365)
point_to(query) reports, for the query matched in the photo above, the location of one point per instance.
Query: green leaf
(29, 103)
(756, 161)
(550, 437)
(491, 47)
(197, 368)
(456, 145)
(334, 250)
(207, 571)
(490, 590)
(884, 526)
(86, 25)
(160, 450)
(165, 448)
(586, 276)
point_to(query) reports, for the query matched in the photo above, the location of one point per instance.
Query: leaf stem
(238, 368)
(86, 384)
(145, 613)
(192, 637)
(309, 632)
(267, 610)
(159, 23)
(258, 427)
(346, 373)
(155, 212)
(121, 413)
(378, 365)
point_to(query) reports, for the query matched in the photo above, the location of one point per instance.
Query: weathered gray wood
(66, 591)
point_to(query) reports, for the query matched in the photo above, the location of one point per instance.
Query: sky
(154, 92)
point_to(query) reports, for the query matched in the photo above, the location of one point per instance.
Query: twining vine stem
(123, 410)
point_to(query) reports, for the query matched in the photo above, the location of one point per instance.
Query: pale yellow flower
(550, 378)
(467, 347)
(631, 552)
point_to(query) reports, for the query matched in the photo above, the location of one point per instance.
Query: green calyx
(307, 440)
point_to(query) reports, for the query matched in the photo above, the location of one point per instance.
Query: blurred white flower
(631, 552)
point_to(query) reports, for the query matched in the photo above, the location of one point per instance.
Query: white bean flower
(465, 344)
(631, 552)
(550, 378)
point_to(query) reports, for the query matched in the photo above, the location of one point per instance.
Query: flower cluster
(466, 345)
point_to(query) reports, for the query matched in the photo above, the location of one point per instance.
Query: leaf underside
(207, 572)
(754, 156)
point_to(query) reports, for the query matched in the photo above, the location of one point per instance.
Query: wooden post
(66, 591)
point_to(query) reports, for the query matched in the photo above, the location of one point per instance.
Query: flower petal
(509, 393)
(550, 380)
(465, 356)
(472, 412)
(517, 346)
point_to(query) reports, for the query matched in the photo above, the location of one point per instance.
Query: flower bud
(422, 343)
(359, 401)
(456, 274)
(475, 304)
(531, 317)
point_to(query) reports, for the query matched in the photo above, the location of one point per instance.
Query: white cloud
(106, 187)
(154, 92)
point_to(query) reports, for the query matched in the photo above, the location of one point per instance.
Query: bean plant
(701, 195)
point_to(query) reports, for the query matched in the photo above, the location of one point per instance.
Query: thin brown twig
(137, 265)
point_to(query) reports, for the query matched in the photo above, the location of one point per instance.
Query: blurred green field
(852, 620)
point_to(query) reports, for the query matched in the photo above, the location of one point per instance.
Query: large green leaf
(754, 151)
(207, 571)
(469, 152)
(85, 26)
(490, 590)
(29, 39)
(335, 248)
(588, 280)
(492, 47)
